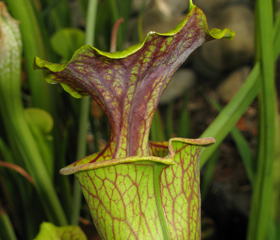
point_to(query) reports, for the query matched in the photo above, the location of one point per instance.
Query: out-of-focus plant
(26, 129)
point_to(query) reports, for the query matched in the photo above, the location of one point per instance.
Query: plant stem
(260, 211)
(32, 46)
(115, 18)
(114, 35)
(84, 114)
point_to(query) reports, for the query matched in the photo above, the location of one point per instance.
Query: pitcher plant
(136, 189)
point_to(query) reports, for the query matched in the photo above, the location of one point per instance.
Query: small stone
(210, 8)
(225, 54)
(138, 5)
(181, 81)
(214, 7)
(232, 84)
(159, 19)
(176, 7)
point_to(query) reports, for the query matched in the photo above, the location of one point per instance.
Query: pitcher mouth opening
(168, 159)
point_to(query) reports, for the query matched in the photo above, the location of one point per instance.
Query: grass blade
(184, 120)
(84, 114)
(33, 46)
(209, 172)
(260, 208)
(16, 126)
(6, 230)
(245, 153)
(157, 130)
(169, 120)
(241, 144)
(228, 117)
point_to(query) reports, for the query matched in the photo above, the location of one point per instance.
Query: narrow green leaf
(275, 208)
(228, 117)
(169, 120)
(14, 120)
(6, 230)
(84, 114)
(208, 173)
(245, 153)
(272, 232)
(17, 187)
(63, 183)
(33, 45)
(278, 230)
(276, 36)
(157, 129)
(260, 209)
(5, 152)
(241, 144)
(125, 13)
(41, 123)
(184, 120)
